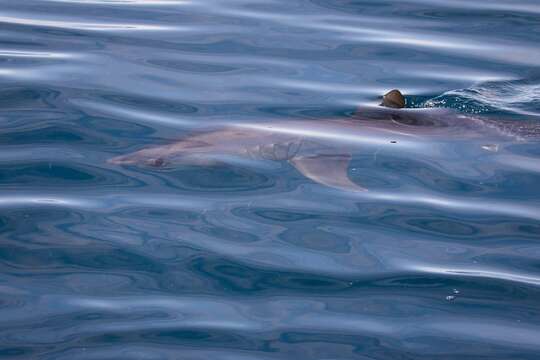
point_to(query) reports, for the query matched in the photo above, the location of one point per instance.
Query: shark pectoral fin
(329, 170)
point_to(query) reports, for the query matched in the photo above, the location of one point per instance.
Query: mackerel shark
(321, 150)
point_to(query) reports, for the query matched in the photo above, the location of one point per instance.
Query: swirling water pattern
(438, 260)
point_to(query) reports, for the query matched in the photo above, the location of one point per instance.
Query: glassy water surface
(234, 256)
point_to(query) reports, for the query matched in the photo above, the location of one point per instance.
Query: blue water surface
(438, 259)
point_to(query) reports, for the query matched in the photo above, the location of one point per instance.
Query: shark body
(322, 149)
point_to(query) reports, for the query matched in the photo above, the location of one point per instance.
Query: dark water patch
(147, 102)
(214, 178)
(237, 277)
(50, 171)
(61, 259)
(317, 239)
(16, 352)
(49, 134)
(117, 127)
(21, 98)
(54, 174)
(402, 219)
(226, 234)
(56, 127)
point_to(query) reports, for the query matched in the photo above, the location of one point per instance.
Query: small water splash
(452, 297)
(521, 97)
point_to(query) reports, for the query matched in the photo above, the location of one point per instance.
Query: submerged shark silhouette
(322, 149)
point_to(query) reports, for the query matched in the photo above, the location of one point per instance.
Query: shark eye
(159, 162)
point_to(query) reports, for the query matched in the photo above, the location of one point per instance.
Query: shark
(322, 149)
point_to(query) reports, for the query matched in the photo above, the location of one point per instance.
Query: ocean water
(438, 259)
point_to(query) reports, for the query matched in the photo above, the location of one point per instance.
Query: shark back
(321, 149)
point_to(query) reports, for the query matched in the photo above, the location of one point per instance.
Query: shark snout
(146, 157)
(136, 159)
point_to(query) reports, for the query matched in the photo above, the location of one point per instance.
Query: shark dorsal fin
(330, 170)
